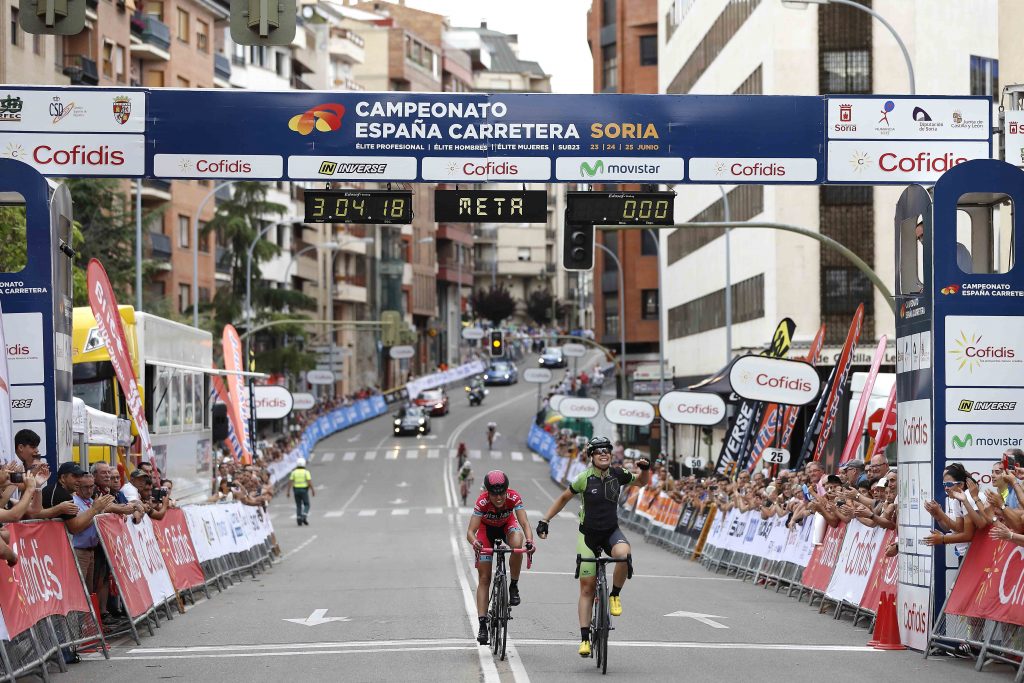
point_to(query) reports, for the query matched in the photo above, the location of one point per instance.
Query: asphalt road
(385, 553)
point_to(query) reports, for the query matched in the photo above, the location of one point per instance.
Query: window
(202, 35)
(753, 85)
(607, 12)
(523, 254)
(258, 55)
(845, 71)
(745, 202)
(731, 19)
(611, 315)
(648, 50)
(609, 67)
(15, 29)
(187, 393)
(238, 55)
(183, 26)
(648, 243)
(985, 77)
(183, 82)
(37, 44)
(708, 312)
(610, 240)
(154, 79)
(649, 304)
(843, 288)
(119, 63)
(108, 59)
(154, 8)
(281, 64)
(184, 298)
(184, 230)
(204, 240)
(204, 294)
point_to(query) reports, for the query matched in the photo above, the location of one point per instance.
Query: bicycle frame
(601, 618)
(499, 611)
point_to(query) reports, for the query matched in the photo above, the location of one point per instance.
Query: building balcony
(160, 247)
(450, 271)
(151, 39)
(347, 46)
(223, 261)
(298, 84)
(81, 70)
(155, 191)
(347, 83)
(351, 288)
(221, 71)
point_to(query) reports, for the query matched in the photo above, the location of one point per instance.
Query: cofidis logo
(971, 352)
(324, 118)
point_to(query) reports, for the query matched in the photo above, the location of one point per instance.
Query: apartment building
(761, 47)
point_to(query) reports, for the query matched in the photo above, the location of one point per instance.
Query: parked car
(434, 401)
(552, 358)
(412, 420)
(501, 372)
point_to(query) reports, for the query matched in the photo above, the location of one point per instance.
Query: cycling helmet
(598, 442)
(496, 482)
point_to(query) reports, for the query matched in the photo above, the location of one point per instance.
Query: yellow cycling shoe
(615, 605)
(584, 649)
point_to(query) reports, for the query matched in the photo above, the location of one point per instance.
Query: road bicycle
(601, 617)
(464, 485)
(500, 612)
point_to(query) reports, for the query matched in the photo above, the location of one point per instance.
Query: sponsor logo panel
(620, 168)
(775, 380)
(72, 111)
(914, 431)
(218, 166)
(23, 333)
(482, 169)
(985, 405)
(63, 155)
(347, 167)
(913, 119)
(981, 441)
(751, 169)
(898, 161)
(28, 402)
(984, 351)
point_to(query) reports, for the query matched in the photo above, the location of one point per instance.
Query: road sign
(637, 413)
(402, 352)
(316, 618)
(573, 350)
(572, 406)
(556, 401)
(537, 375)
(775, 456)
(303, 401)
(272, 402)
(320, 377)
(472, 333)
(692, 408)
(694, 463)
(775, 380)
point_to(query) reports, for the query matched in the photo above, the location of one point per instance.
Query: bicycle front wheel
(496, 620)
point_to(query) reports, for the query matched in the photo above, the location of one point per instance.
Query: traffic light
(497, 343)
(54, 17)
(391, 322)
(263, 22)
(578, 247)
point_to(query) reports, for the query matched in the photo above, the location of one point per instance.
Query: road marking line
(433, 453)
(351, 455)
(495, 454)
(651, 576)
(800, 647)
(302, 653)
(370, 455)
(517, 455)
(412, 455)
(544, 490)
(537, 458)
(475, 454)
(435, 511)
(334, 513)
(392, 455)
(367, 513)
(328, 457)
(399, 511)
(299, 547)
(291, 646)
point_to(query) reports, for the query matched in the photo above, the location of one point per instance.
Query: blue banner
(541, 442)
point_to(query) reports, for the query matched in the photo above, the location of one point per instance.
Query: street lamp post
(728, 277)
(802, 4)
(662, 339)
(622, 313)
(195, 250)
(248, 275)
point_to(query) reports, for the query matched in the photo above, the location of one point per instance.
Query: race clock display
(620, 208)
(358, 206)
(491, 206)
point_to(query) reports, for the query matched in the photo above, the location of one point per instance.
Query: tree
(540, 305)
(494, 304)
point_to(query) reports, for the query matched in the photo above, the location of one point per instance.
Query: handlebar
(628, 559)
(505, 550)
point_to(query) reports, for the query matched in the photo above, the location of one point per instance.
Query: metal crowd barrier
(985, 640)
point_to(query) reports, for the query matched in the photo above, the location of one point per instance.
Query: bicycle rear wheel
(496, 622)
(504, 612)
(603, 627)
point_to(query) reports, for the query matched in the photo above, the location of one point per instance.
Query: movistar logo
(965, 442)
(590, 171)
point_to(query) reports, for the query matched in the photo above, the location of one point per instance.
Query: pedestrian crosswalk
(421, 453)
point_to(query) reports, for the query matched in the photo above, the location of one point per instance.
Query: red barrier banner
(818, 572)
(883, 575)
(172, 535)
(45, 581)
(990, 584)
(858, 557)
(125, 563)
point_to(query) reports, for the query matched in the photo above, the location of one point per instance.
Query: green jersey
(599, 497)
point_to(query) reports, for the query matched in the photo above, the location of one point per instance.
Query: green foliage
(12, 239)
(540, 304)
(494, 304)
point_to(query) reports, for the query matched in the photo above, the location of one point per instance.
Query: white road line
(397, 512)
(351, 455)
(303, 653)
(435, 511)
(475, 454)
(433, 453)
(370, 455)
(367, 513)
(516, 455)
(291, 646)
(299, 547)
(495, 454)
(334, 513)
(799, 647)
(392, 455)
(328, 457)
(412, 455)
(544, 490)
(652, 576)
(453, 452)
(537, 458)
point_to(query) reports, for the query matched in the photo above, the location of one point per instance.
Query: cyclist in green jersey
(598, 487)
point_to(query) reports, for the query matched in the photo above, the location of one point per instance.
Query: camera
(17, 477)
(159, 494)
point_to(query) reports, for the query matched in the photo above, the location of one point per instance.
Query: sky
(552, 32)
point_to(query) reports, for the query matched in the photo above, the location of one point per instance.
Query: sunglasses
(948, 484)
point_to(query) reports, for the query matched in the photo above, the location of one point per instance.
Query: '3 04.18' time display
(620, 208)
(358, 206)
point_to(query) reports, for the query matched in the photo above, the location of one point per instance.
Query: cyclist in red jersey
(499, 515)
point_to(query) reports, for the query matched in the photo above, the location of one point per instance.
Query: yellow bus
(172, 362)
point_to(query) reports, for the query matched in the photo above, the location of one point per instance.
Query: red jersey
(491, 515)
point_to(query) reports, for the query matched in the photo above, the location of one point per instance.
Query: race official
(300, 481)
